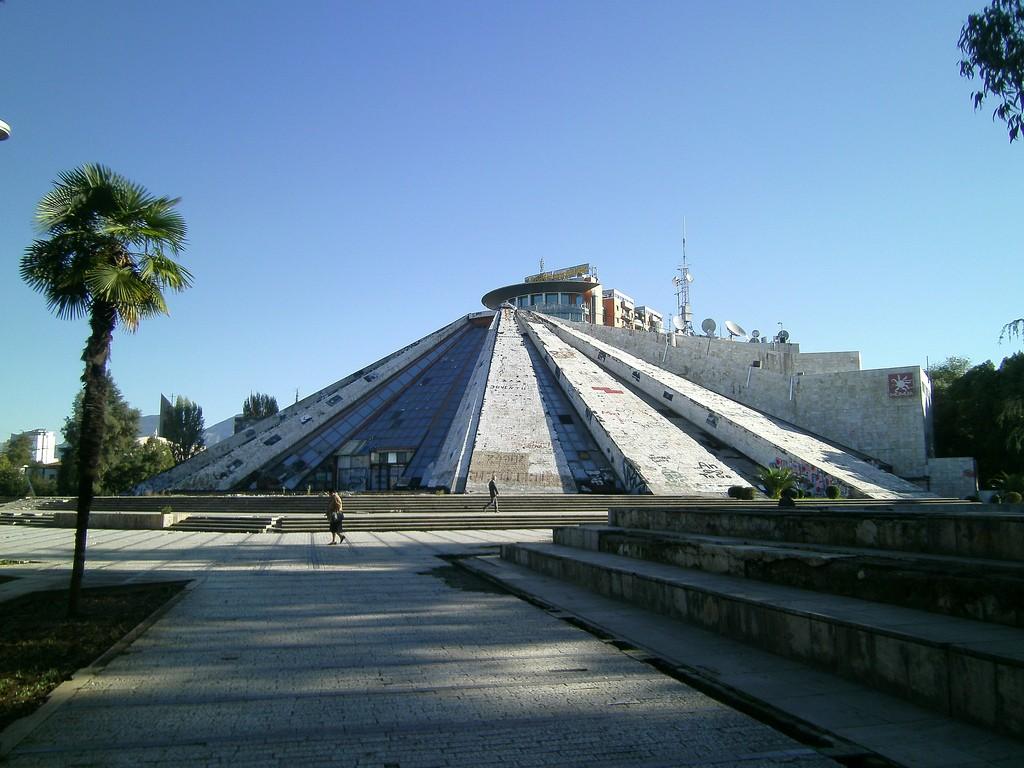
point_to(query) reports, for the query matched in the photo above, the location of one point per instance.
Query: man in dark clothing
(492, 488)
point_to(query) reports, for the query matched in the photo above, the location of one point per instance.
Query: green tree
(947, 427)
(948, 371)
(43, 486)
(12, 479)
(992, 43)
(1011, 412)
(258, 406)
(140, 462)
(19, 450)
(107, 256)
(185, 430)
(120, 428)
(975, 416)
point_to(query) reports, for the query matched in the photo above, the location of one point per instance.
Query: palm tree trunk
(94, 407)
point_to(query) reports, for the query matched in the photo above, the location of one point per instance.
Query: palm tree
(108, 258)
(777, 479)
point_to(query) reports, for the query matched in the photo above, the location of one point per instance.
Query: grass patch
(40, 648)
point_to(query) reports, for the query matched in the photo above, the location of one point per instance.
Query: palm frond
(115, 285)
(164, 271)
(109, 241)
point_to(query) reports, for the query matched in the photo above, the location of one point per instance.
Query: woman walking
(335, 517)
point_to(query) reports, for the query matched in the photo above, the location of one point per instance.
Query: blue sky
(356, 175)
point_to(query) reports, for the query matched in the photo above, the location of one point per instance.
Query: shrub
(734, 491)
(995, 498)
(1012, 498)
(44, 486)
(747, 493)
(833, 492)
(1010, 482)
(777, 479)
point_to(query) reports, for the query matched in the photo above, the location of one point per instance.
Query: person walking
(492, 488)
(335, 517)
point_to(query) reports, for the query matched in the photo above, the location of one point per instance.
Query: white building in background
(42, 444)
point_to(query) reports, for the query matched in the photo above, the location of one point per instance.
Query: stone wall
(954, 478)
(765, 440)
(824, 393)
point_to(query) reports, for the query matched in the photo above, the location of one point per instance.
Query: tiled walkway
(286, 651)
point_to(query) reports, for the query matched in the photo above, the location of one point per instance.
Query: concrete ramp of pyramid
(451, 468)
(232, 463)
(766, 440)
(649, 453)
(516, 440)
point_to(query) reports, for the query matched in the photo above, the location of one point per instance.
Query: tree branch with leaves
(992, 43)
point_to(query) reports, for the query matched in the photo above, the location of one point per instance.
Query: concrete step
(985, 590)
(426, 522)
(382, 503)
(966, 669)
(34, 519)
(962, 530)
(225, 523)
(858, 726)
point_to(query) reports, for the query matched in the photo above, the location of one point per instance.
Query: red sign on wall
(901, 384)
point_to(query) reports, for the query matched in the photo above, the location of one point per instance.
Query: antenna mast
(684, 313)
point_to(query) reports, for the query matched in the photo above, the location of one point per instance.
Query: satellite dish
(734, 329)
(783, 336)
(677, 322)
(708, 326)
(754, 341)
(689, 277)
(754, 334)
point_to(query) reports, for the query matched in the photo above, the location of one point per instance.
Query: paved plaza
(286, 651)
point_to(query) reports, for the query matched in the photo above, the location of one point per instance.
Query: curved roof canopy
(493, 299)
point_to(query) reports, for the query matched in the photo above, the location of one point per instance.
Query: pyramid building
(545, 398)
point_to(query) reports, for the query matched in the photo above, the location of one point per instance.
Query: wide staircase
(363, 512)
(923, 601)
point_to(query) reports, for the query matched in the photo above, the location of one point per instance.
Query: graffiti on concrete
(608, 390)
(810, 479)
(636, 376)
(631, 477)
(601, 357)
(710, 470)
